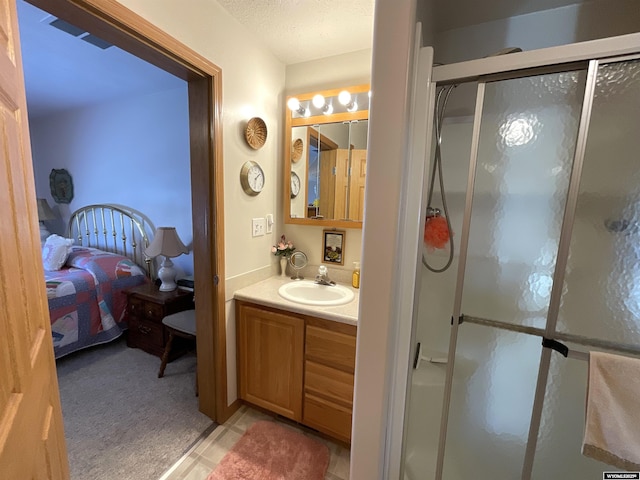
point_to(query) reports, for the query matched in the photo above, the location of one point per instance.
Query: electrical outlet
(269, 218)
(258, 227)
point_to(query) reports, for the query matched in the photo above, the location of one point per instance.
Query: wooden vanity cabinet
(329, 366)
(298, 366)
(270, 355)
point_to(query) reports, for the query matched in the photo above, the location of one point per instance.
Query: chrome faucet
(322, 277)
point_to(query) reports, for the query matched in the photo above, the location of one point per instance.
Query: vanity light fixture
(318, 101)
(294, 105)
(321, 103)
(344, 98)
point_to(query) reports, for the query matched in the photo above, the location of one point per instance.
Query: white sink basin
(311, 293)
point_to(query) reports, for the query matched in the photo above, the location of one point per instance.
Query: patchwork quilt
(87, 301)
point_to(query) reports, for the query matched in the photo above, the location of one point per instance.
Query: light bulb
(328, 109)
(344, 97)
(318, 101)
(294, 104)
(352, 107)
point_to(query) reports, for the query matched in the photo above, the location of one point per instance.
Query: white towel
(612, 429)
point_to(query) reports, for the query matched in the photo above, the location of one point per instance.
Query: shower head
(505, 51)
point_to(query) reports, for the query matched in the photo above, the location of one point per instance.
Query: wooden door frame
(120, 26)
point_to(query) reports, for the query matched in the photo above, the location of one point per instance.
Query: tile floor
(202, 458)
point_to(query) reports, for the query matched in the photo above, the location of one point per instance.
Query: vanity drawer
(329, 383)
(329, 347)
(327, 417)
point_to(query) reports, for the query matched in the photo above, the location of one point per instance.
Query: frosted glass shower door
(525, 150)
(601, 293)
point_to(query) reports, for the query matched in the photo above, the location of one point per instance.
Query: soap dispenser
(355, 276)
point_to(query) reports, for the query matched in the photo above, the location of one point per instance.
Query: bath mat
(269, 451)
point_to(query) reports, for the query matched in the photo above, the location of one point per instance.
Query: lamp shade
(44, 210)
(166, 242)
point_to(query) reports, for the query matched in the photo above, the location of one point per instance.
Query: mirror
(326, 156)
(298, 260)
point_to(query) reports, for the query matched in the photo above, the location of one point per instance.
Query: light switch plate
(269, 218)
(258, 227)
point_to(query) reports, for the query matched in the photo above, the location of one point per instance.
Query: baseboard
(229, 410)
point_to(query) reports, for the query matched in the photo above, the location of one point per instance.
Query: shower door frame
(519, 65)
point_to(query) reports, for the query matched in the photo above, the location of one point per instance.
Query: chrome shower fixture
(433, 212)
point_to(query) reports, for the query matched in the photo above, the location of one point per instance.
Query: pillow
(55, 252)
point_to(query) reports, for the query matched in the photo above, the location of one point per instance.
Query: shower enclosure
(541, 172)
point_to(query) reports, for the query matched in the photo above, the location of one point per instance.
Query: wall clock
(295, 184)
(251, 178)
(61, 185)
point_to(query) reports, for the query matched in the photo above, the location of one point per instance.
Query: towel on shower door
(612, 429)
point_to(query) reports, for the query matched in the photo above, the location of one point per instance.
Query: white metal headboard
(116, 229)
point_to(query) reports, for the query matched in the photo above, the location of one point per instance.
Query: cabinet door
(270, 347)
(356, 186)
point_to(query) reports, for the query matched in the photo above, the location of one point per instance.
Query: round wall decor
(251, 178)
(256, 133)
(296, 150)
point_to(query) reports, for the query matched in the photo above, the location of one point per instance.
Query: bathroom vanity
(297, 360)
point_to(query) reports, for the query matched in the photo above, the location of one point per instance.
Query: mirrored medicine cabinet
(326, 157)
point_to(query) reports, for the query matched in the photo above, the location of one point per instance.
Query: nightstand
(146, 307)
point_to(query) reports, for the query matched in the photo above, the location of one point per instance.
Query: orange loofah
(436, 232)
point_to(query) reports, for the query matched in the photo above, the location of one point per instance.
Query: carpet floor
(122, 421)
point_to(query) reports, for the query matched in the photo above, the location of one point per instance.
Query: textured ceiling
(300, 30)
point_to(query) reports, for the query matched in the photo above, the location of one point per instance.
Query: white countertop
(266, 293)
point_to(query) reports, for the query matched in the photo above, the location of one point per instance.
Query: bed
(87, 298)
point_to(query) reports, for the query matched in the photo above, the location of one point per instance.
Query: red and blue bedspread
(87, 302)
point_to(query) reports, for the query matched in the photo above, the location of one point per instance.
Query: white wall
(133, 151)
(393, 43)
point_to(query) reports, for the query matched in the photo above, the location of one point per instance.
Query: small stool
(181, 324)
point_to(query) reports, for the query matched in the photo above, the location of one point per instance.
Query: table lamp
(167, 243)
(44, 213)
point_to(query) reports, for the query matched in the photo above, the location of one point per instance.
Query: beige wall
(353, 68)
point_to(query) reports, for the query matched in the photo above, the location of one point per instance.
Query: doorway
(119, 26)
